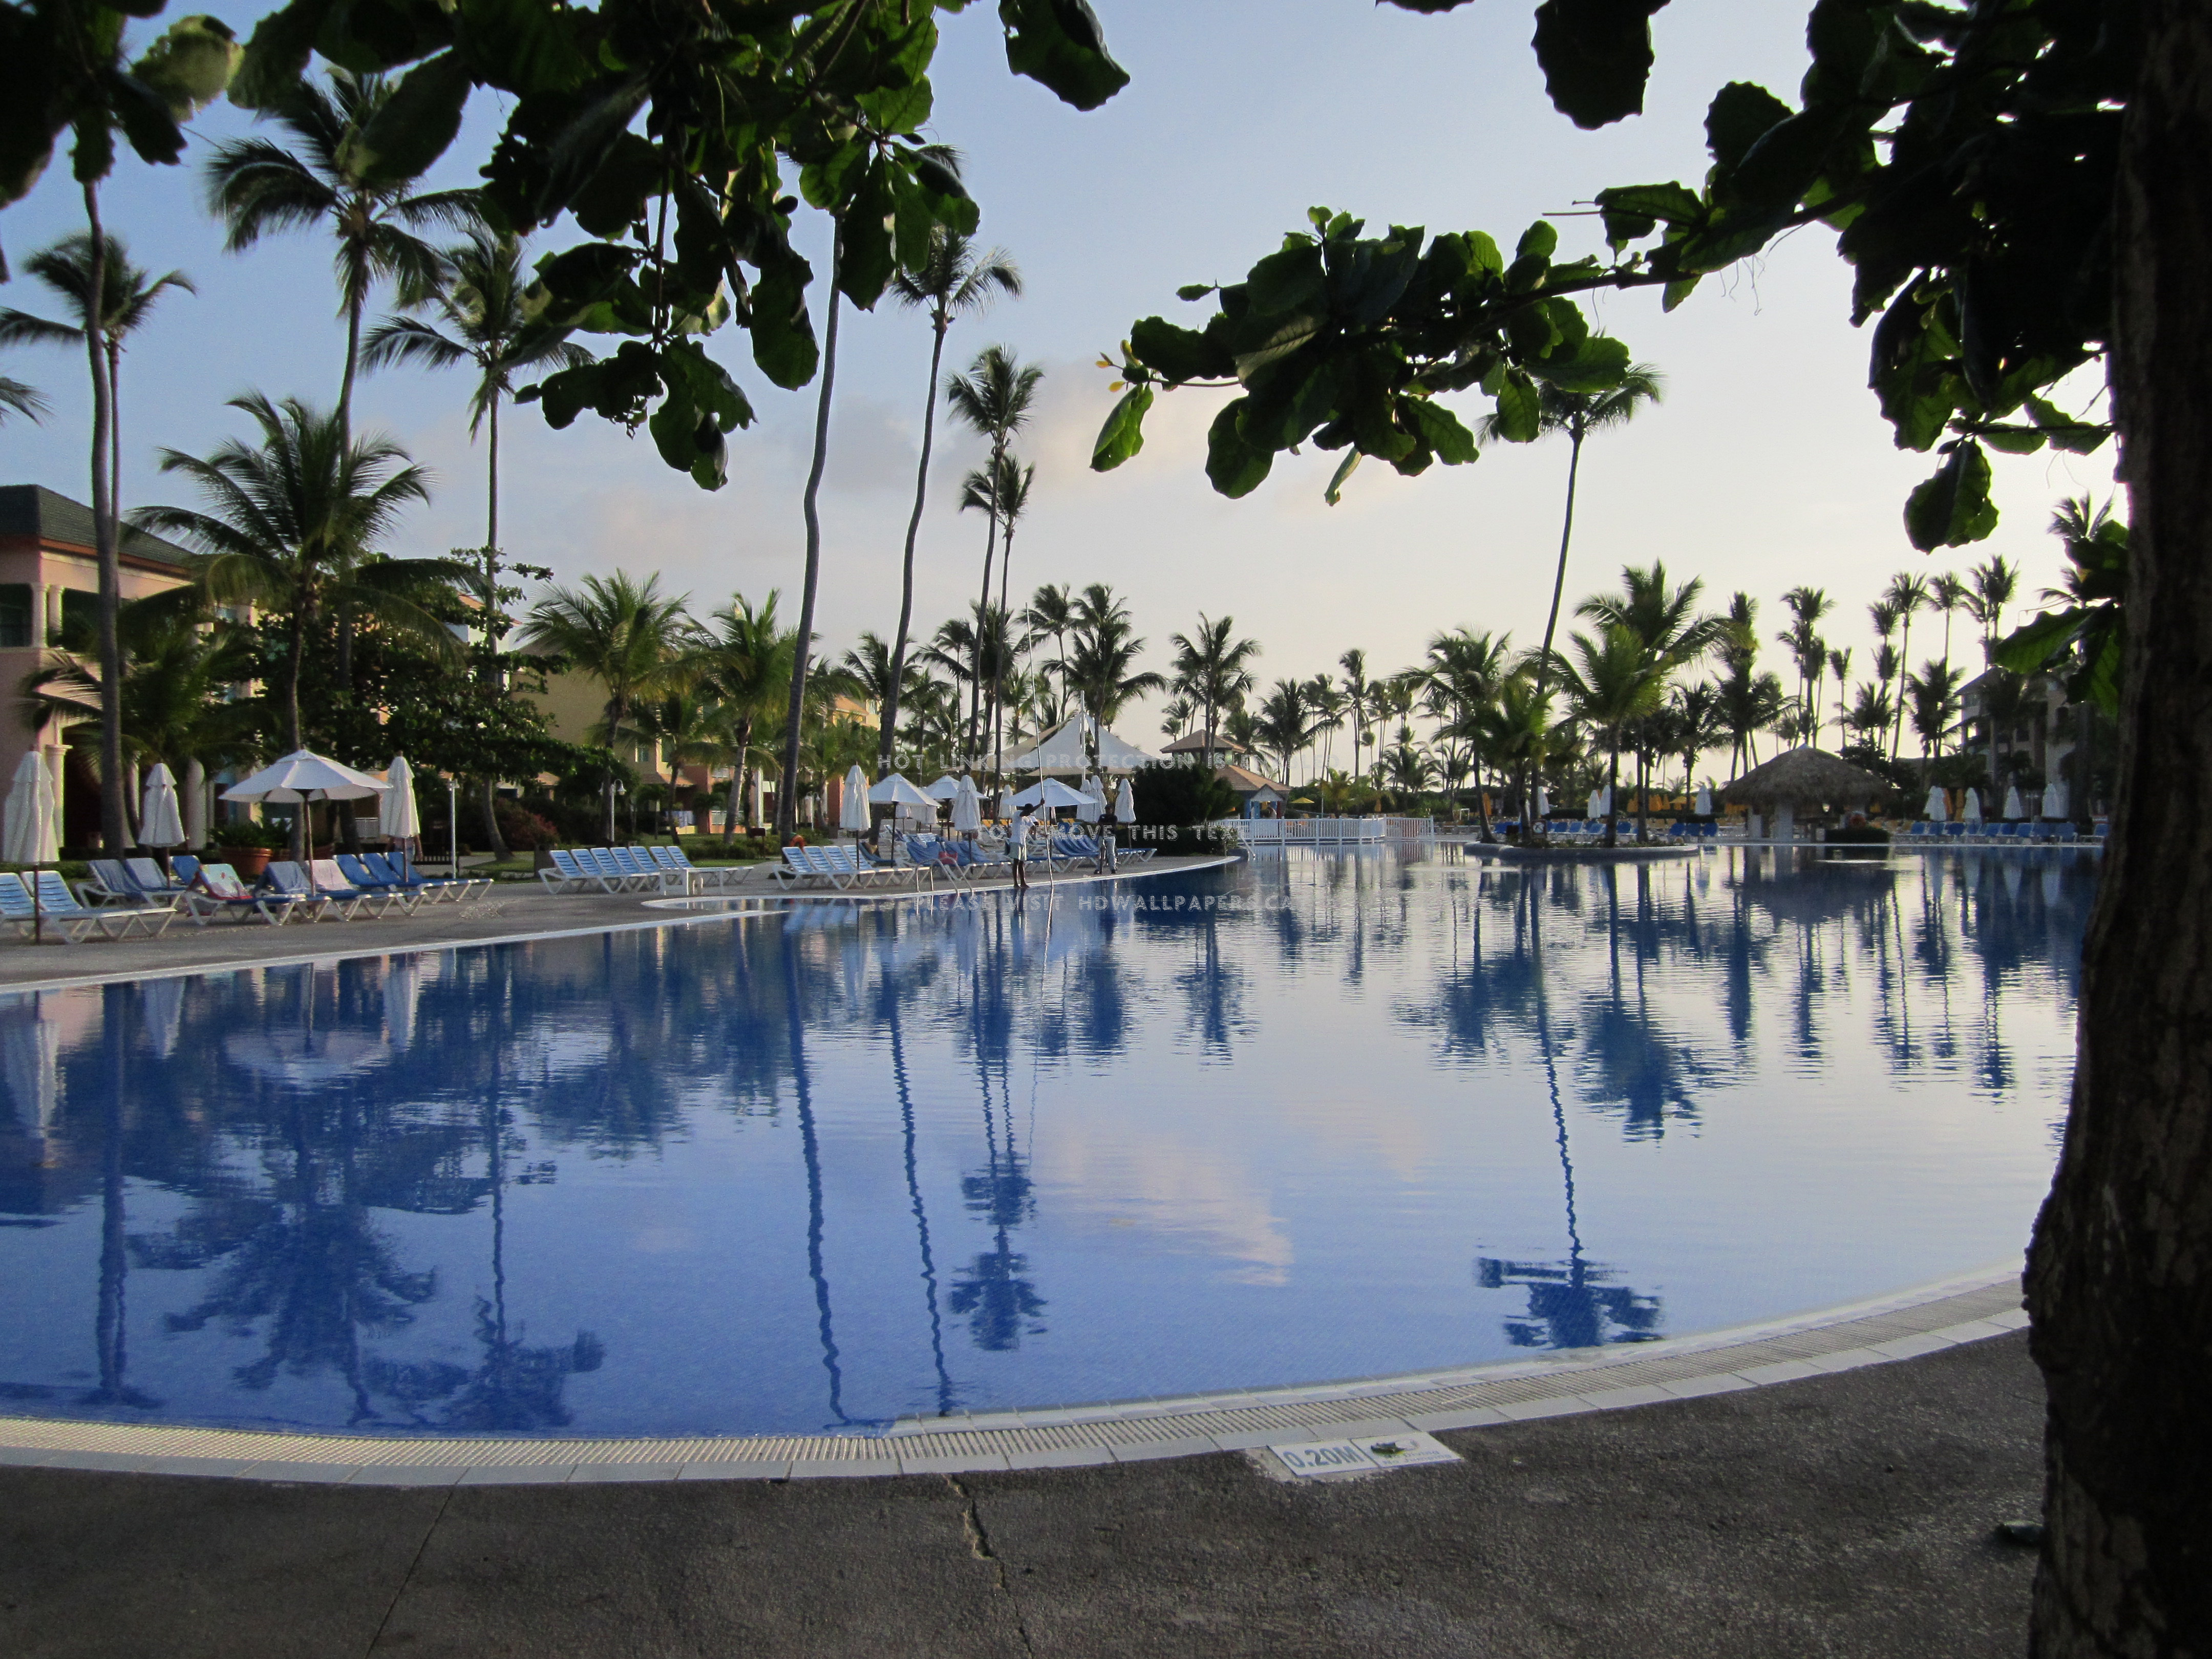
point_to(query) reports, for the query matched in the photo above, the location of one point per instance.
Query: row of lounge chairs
(628, 870)
(2001, 833)
(126, 897)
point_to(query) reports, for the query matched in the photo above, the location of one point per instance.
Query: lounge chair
(350, 896)
(565, 875)
(798, 866)
(151, 920)
(675, 861)
(402, 870)
(217, 891)
(184, 870)
(152, 879)
(57, 908)
(646, 871)
(380, 883)
(111, 883)
(283, 876)
(601, 863)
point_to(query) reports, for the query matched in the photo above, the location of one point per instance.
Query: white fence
(1329, 832)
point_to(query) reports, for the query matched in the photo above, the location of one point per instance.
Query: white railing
(1329, 832)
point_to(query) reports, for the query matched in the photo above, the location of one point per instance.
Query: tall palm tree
(1934, 694)
(1009, 495)
(1579, 414)
(1806, 606)
(332, 180)
(1328, 704)
(75, 268)
(1663, 619)
(1356, 691)
(1214, 670)
(488, 329)
(953, 282)
(1948, 593)
(624, 633)
(1613, 681)
(1907, 594)
(1869, 715)
(1995, 585)
(1175, 718)
(993, 399)
(293, 524)
(1697, 727)
(1100, 670)
(794, 709)
(1051, 610)
(1282, 723)
(17, 398)
(1462, 677)
(1840, 670)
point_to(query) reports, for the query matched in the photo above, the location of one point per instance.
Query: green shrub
(1180, 796)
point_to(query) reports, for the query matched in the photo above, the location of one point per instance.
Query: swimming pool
(1318, 1116)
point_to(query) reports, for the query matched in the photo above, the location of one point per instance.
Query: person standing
(1017, 849)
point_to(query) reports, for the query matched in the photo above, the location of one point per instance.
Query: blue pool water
(1311, 1117)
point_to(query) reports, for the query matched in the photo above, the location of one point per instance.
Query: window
(80, 609)
(16, 615)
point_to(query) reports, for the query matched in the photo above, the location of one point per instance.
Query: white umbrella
(2055, 802)
(1971, 812)
(1605, 802)
(1597, 804)
(159, 824)
(853, 809)
(31, 835)
(396, 816)
(1706, 802)
(1543, 802)
(302, 776)
(2012, 802)
(1125, 803)
(892, 790)
(1092, 801)
(1939, 804)
(945, 788)
(1051, 794)
(967, 809)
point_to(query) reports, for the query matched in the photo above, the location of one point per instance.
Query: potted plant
(247, 846)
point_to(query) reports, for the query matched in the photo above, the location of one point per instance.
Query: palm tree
(620, 631)
(1947, 594)
(480, 300)
(18, 398)
(1462, 677)
(1907, 592)
(1839, 668)
(1935, 694)
(1052, 611)
(1356, 692)
(993, 400)
(1806, 606)
(1214, 670)
(1282, 723)
(293, 526)
(953, 280)
(1175, 718)
(1614, 682)
(1995, 585)
(1869, 714)
(1328, 704)
(1697, 727)
(1010, 489)
(332, 179)
(810, 509)
(75, 268)
(1664, 620)
(1099, 669)
(1579, 414)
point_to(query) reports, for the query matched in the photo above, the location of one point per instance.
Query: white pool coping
(1965, 1308)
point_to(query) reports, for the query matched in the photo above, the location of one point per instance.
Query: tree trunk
(787, 794)
(493, 839)
(1005, 647)
(114, 834)
(975, 677)
(887, 739)
(2120, 1272)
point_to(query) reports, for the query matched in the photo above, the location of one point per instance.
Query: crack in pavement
(979, 1546)
(407, 1578)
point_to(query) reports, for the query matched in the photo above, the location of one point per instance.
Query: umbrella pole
(453, 821)
(38, 911)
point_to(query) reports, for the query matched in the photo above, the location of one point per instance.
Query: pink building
(49, 577)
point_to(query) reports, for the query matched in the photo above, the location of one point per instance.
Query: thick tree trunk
(115, 832)
(2120, 1272)
(787, 794)
(887, 739)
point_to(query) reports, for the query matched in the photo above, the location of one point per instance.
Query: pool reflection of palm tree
(109, 1333)
(992, 1293)
(895, 986)
(1571, 1304)
(809, 1146)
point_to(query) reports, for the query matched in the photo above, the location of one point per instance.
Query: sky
(1767, 466)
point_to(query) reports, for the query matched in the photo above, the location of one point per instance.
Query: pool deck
(510, 911)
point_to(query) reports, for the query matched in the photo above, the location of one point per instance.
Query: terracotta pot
(250, 862)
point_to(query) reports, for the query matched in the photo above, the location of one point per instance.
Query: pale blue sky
(1767, 466)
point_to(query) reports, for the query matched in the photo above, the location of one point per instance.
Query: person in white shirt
(1017, 849)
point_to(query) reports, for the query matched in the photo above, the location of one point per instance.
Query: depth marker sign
(1312, 1458)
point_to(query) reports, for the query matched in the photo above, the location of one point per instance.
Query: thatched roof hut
(1805, 781)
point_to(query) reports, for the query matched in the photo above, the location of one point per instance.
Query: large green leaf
(1123, 435)
(1060, 44)
(277, 53)
(1235, 468)
(865, 267)
(191, 65)
(1633, 211)
(783, 334)
(525, 46)
(413, 128)
(1179, 354)
(1440, 429)
(1952, 508)
(1596, 56)
(1740, 115)
(1520, 410)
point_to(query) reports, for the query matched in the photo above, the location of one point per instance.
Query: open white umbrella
(1706, 802)
(302, 776)
(30, 835)
(893, 790)
(1972, 811)
(967, 808)
(159, 821)
(396, 816)
(2055, 801)
(2012, 802)
(1125, 803)
(1939, 804)
(1051, 794)
(945, 788)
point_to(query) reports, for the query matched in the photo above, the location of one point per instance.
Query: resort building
(2025, 731)
(49, 577)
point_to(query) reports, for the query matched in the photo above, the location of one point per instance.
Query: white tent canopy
(893, 790)
(2012, 806)
(1051, 794)
(159, 823)
(1971, 812)
(1704, 806)
(1066, 751)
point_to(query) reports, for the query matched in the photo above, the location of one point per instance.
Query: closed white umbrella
(1595, 804)
(967, 808)
(1939, 804)
(2055, 801)
(159, 823)
(1971, 812)
(2012, 802)
(1543, 802)
(30, 835)
(1092, 801)
(1125, 803)
(853, 809)
(1605, 802)
(1706, 802)
(396, 816)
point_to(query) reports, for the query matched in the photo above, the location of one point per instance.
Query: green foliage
(682, 140)
(1965, 156)
(2083, 635)
(1180, 795)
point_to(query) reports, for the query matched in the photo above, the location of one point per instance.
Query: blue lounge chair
(111, 883)
(401, 868)
(152, 879)
(283, 876)
(56, 908)
(352, 896)
(565, 875)
(217, 891)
